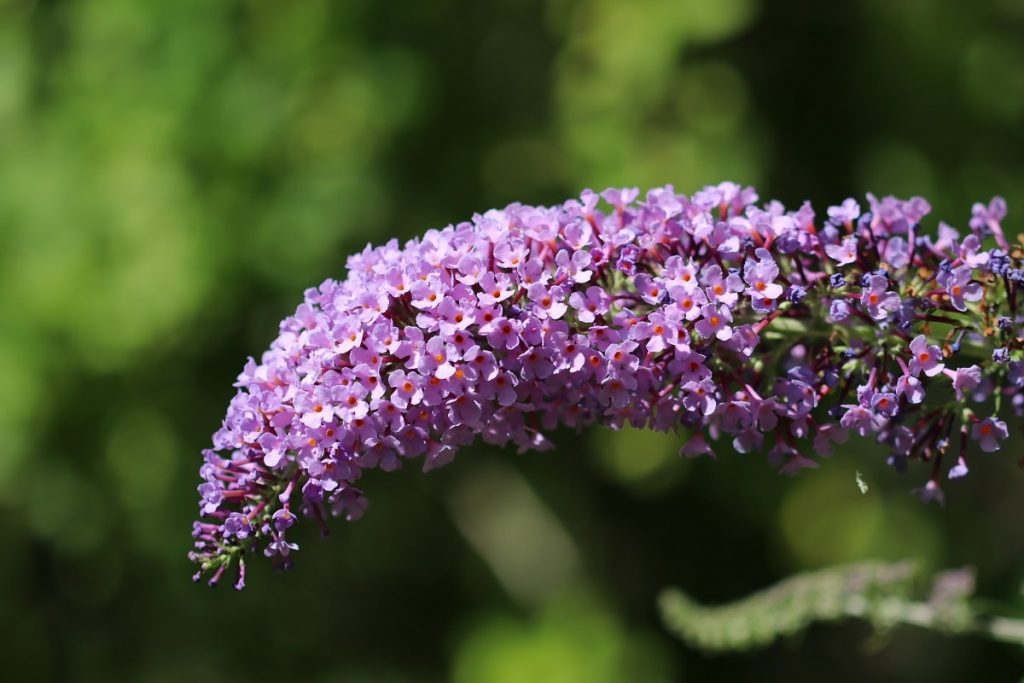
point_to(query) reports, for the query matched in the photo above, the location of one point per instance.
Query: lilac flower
(838, 311)
(760, 275)
(965, 380)
(691, 303)
(910, 387)
(959, 470)
(651, 290)
(990, 218)
(847, 212)
(931, 492)
(283, 519)
(705, 313)
(885, 404)
(796, 462)
(988, 433)
(925, 357)
(495, 288)
(589, 305)
(971, 253)
(897, 252)
(714, 322)
(575, 267)
(502, 334)
(700, 397)
(1015, 376)
(844, 253)
(548, 301)
(719, 288)
(877, 299)
(827, 436)
(407, 389)
(662, 330)
(627, 259)
(860, 420)
(428, 293)
(960, 287)
(279, 547)
(696, 446)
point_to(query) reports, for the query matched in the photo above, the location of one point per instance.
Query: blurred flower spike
(756, 328)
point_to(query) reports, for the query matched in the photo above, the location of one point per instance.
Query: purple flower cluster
(766, 329)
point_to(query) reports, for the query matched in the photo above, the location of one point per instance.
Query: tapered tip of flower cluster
(761, 328)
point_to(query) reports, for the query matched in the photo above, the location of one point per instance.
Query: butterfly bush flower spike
(728, 322)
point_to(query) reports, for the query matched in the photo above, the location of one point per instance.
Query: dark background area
(173, 175)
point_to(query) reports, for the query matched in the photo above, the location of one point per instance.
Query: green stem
(878, 592)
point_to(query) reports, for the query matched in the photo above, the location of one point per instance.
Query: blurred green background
(174, 174)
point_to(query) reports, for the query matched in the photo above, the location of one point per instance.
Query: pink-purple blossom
(988, 433)
(737, 326)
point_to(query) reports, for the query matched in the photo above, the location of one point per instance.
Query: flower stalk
(756, 328)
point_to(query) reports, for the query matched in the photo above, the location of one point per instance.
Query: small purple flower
(407, 389)
(971, 253)
(910, 387)
(965, 380)
(651, 290)
(983, 216)
(211, 495)
(719, 288)
(536, 363)
(796, 294)
(696, 446)
(735, 416)
(690, 302)
(279, 547)
(428, 293)
(988, 433)
(877, 299)
(897, 252)
(860, 420)
(549, 302)
(838, 311)
(495, 288)
(844, 253)
(576, 267)
(283, 519)
(845, 213)
(828, 435)
(925, 357)
(959, 286)
(627, 259)
(682, 275)
(760, 276)
(885, 403)
(700, 397)
(589, 305)
(796, 462)
(931, 492)
(1015, 376)
(238, 525)
(662, 331)
(503, 334)
(714, 322)
(959, 469)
